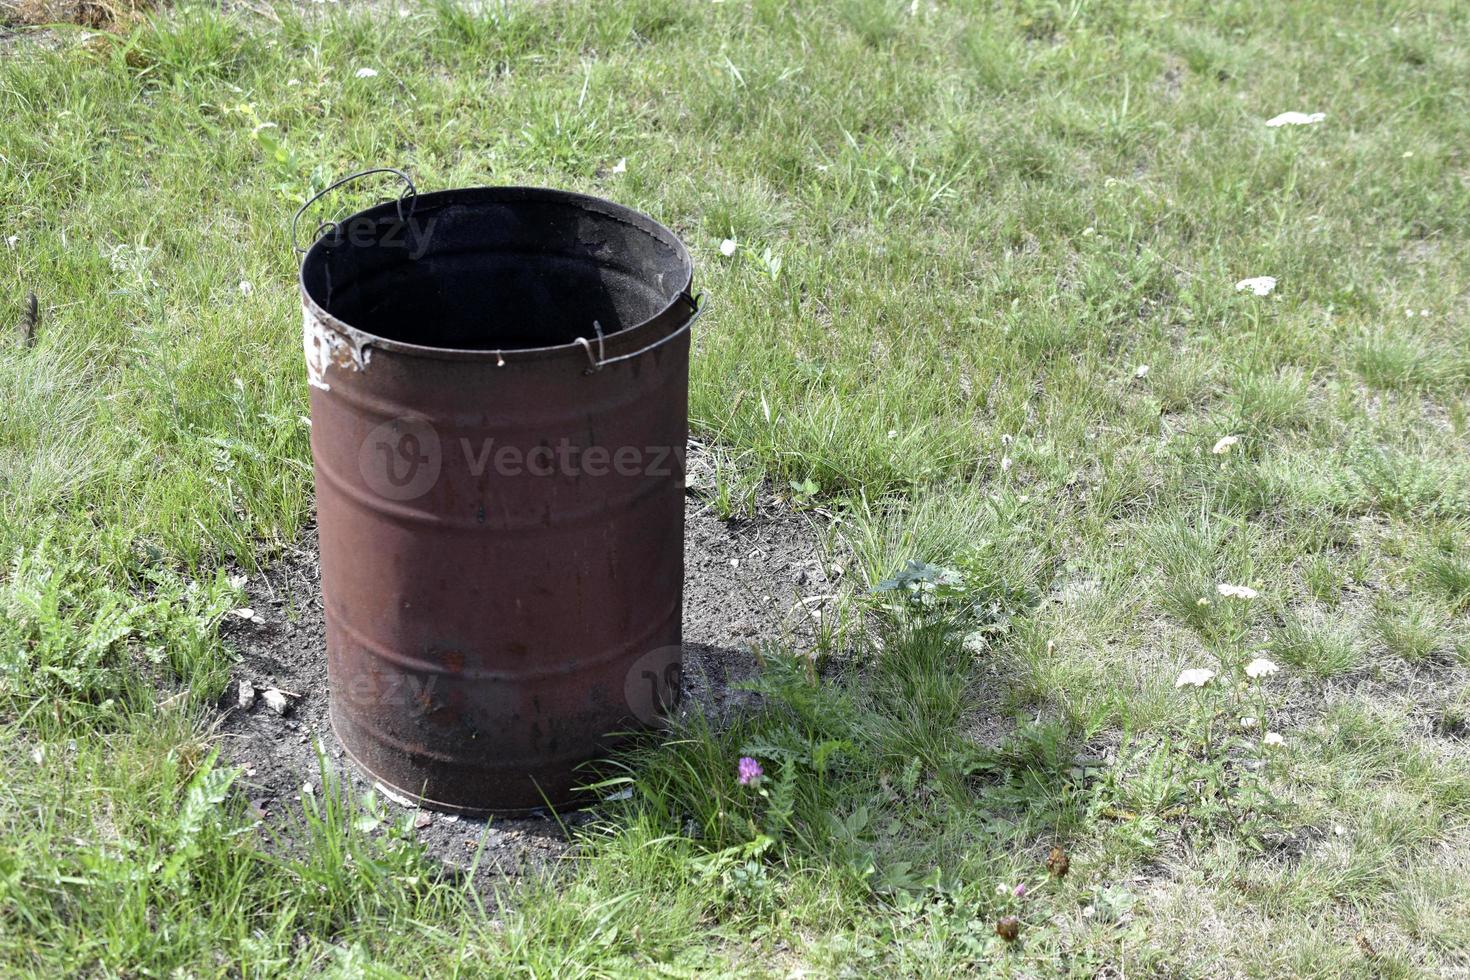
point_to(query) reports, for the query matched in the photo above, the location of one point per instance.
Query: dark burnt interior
(495, 269)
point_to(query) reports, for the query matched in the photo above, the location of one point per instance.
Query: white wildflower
(1223, 444)
(1296, 119)
(728, 247)
(367, 73)
(1260, 285)
(1195, 677)
(1261, 667)
(1236, 591)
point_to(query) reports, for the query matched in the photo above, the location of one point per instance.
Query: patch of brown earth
(743, 583)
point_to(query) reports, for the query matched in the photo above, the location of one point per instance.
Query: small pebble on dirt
(276, 700)
(422, 820)
(246, 693)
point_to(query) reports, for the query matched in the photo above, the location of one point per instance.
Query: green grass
(963, 228)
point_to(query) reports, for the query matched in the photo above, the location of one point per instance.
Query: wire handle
(598, 362)
(409, 191)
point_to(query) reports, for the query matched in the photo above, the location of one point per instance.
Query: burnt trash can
(499, 408)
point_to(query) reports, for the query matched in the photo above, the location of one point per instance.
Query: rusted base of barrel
(554, 789)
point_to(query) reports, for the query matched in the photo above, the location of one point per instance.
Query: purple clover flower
(750, 770)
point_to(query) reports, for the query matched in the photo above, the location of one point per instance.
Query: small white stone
(621, 167)
(246, 289)
(276, 700)
(728, 247)
(1296, 119)
(367, 73)
(1260, 285)
(1141, 371)
(245, 695)
(244, 612)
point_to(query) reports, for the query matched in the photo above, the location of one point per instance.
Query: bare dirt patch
(102, 14)
(743, 581)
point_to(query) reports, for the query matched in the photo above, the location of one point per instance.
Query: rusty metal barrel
(499, 410)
